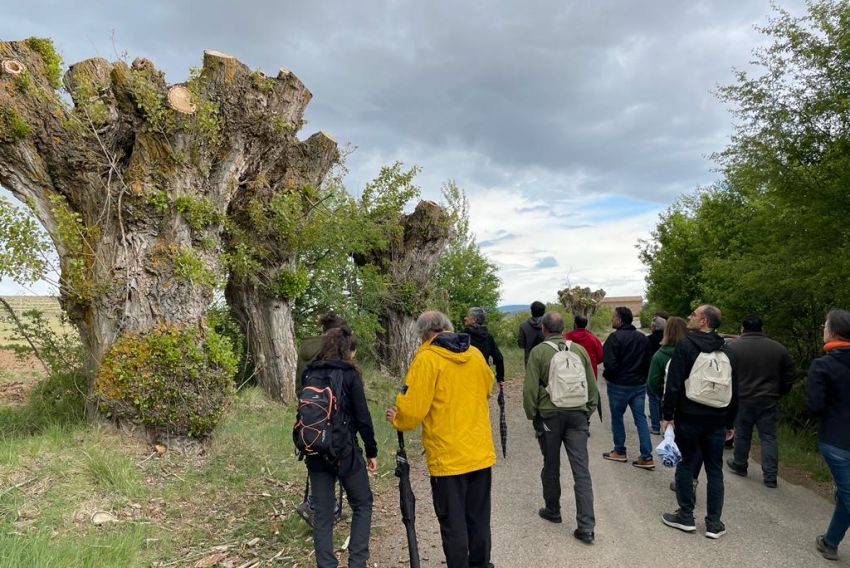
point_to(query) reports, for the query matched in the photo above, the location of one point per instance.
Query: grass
(56, 471)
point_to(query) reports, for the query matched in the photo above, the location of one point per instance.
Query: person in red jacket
(587, 340)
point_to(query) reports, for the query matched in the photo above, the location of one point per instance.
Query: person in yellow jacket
(446, 390)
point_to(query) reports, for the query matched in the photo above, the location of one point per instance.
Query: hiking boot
(644, 463)
(616, 456)
(827, 551)
(678, 521)
(730, 463)
(771, 483)
(715, 530)
(585, 537)
(549, 515)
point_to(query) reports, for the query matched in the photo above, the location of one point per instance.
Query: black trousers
(356, 484)
(700, 442)
(462, 504)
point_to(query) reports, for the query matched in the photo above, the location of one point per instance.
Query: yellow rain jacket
(447, 389)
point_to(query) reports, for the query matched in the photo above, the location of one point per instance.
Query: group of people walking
(708, 388)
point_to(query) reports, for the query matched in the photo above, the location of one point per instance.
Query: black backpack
(321, 425)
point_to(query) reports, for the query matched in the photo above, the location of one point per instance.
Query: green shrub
(172, 380)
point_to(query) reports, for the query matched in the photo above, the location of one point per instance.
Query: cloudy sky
(570, 124)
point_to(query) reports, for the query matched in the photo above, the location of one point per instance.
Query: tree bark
(134, 182)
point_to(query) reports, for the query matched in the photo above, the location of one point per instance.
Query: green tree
(464, 276)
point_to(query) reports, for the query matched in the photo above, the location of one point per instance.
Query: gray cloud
(547, 262)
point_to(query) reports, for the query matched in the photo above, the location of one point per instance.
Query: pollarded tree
(135, 180)
(581, 301)
(397, 259)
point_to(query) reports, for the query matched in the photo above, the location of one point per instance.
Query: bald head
(552, 323)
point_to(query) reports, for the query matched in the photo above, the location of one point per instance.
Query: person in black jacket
(765, 373)
(338, 349)
(626, 368)
(700, 429)
(483, 341)
(828, 397)
(531, 331)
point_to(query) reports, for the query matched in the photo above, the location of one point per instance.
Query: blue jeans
(700, 442)
(634, 397)
(654, 411)
(838, 461)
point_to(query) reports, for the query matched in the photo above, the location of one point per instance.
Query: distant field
(47, 305)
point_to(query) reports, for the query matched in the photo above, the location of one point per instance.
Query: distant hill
(513, 308)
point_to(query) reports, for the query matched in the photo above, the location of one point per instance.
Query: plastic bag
(668, 452)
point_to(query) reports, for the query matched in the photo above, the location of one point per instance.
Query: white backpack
(567, 386)
(710, 381)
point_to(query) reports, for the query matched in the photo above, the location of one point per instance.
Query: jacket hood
(842, 353)
(476, 331)
(452, 346)
(706, 342)
(334, 364)
(535, 322)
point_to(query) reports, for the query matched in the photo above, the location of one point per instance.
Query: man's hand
(665, 423)
(391, 412)
(372, 464)
(730, 433)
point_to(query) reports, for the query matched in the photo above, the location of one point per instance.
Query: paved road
(772, 528)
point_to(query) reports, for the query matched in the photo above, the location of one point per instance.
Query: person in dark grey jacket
(626, 366)
(765, 373)
(531, 331)
(481, 339)
(828, 397)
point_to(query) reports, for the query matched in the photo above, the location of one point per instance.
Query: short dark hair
(625, 314)
(331, 321)
(553, 322)
(537, 309)
(711, 315)
(839, 323)
(662, 314)
(752, 323)
(580, 322)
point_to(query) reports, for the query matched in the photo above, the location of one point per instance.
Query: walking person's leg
(575, 442)
(550, 475)
(359, 496)
(746, 418)
(618, 400)
(449, 494)
(654, 412)
(767, 424)
(478, 517)
(637, 404)
(322, 485)
(711, 444)
(688, 443)
(838, 461)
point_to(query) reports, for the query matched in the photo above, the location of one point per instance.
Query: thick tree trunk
(398, 341)
(135, 181)
(271, 337)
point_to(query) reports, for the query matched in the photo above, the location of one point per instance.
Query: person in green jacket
(675, 329)
(556, 426)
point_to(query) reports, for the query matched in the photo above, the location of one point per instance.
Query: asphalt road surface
(771, 528)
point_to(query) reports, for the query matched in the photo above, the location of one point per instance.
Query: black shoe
(549, 515)
(715, 530)
(678, 521)
(770, 483)
(828, 552)
(729, 444)
(586, 538)
(730, 463)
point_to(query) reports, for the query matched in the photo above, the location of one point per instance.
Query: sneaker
(616, 456)
(678, 521)
(770, 483)
(644, 463)
(585, 537)
(715, 530)
(655, 432)
(730, 463)
(305, 511)
(827, 551)
(550, 516)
